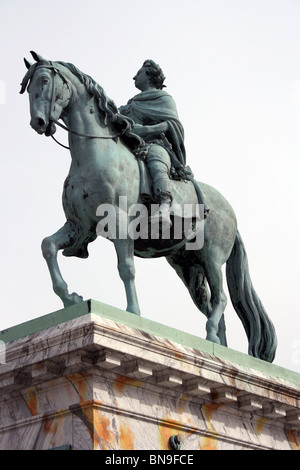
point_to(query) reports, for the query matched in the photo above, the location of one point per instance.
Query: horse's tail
(259, 328)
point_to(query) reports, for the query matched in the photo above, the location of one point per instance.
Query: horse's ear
(27, 63)
(28, 77)
(37, 57)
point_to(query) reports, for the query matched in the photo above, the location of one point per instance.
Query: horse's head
(49, 93)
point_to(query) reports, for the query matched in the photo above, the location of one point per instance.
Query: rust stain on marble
(294, 439)
(208, 410)
(209, 442)
(182, 403)
(171, 427)
(99, 427)
(126, 437)
(121, 382)
(81, 385)
(52, 424)
(51, 427)
(31, 401)
(260, 424)
(47, 424)
(179, 355)
(165, 432)
(103, 437)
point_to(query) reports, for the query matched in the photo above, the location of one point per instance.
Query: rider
(156, 121)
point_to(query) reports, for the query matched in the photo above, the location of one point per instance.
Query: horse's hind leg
(194, 279)
(63, 238)
(215, 326)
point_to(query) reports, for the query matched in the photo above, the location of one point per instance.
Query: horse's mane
(105, 103)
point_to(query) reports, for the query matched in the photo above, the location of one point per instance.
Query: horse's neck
(84, 117)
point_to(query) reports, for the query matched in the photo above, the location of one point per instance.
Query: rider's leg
(158, 163)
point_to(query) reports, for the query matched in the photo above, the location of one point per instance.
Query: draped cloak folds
(153, 107)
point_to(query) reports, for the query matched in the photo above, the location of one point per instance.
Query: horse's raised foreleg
(191, 273)
(63, 238)
(125, 253)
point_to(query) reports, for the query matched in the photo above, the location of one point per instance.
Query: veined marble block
(92, 377)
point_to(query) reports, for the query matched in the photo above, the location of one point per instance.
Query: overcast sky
(233, 68)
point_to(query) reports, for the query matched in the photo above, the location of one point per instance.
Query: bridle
(58, 72)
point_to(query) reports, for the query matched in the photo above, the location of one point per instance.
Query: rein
(87, 135)
(83, 135)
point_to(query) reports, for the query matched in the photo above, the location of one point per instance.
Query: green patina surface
(148, 326)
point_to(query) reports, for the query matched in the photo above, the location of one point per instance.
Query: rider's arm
(151, 131)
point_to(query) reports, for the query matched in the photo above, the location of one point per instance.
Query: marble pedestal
(95, 377)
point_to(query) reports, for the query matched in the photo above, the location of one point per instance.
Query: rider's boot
(164, 198)
(158, 163)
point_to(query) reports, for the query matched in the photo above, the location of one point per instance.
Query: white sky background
(233, 68)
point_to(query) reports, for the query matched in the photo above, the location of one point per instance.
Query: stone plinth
(95, 377)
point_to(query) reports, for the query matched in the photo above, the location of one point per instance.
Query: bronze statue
(104, 171)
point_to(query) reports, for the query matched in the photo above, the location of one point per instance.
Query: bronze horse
(103, 169)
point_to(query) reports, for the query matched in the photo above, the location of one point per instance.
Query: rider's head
(155, 74)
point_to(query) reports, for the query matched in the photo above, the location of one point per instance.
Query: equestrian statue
(136, 154)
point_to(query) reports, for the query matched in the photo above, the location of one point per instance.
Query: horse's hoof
(72, 299)
(214, 338)
(134, 310)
